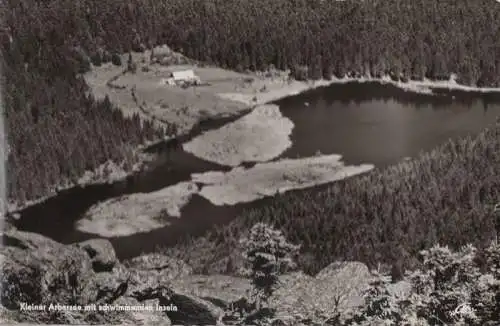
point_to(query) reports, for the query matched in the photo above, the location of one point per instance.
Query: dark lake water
(365, 123)
(381, 124)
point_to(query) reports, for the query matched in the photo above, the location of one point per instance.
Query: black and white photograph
(250, 162)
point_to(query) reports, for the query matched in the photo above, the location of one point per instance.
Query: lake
(381, 124)
(365, 123)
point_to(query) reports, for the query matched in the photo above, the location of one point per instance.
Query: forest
(57, 130)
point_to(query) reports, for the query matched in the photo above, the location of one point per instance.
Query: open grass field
(221, 93)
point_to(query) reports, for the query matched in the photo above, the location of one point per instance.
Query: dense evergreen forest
(57, 130)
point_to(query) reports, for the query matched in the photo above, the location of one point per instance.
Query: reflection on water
(380, 124)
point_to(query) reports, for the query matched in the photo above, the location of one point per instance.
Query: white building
(182, 77)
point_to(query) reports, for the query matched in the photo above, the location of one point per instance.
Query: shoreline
(252, 101)
(425, 86)
(106, 173)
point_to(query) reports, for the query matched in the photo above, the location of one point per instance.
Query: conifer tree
(268, 255)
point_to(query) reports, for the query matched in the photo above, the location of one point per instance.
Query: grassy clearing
(145, 93)
(222, 92)
(444, 196)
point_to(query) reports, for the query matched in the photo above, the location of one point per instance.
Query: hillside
(47, 44)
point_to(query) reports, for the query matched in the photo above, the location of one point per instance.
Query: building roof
(183, 75)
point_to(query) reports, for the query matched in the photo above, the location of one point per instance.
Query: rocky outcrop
(21, 279)
(144, 282)
(343, 270)
(150, 318)
(169, 267)
(101, 253)
(348, 279)
(191, 310)
(37, 270)
(341, 285)
(221, 290)
(26, 240)
(153, 278)
(338, 287)
(112, 285)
